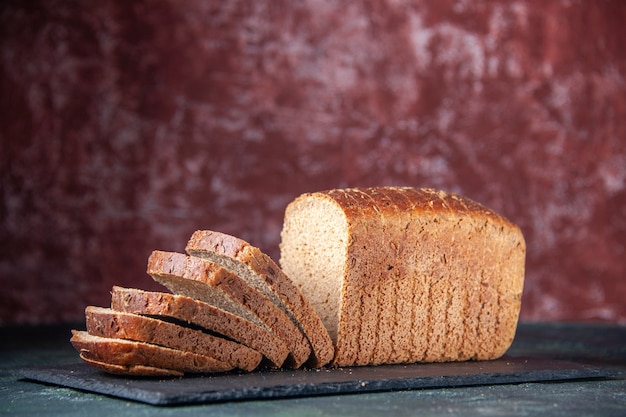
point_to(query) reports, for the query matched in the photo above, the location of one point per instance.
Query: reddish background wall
(125, 126)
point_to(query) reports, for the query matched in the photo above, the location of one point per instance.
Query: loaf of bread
(401, 275)
(367, 276)
(206, 281)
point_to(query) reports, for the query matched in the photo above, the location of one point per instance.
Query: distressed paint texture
(125, 126)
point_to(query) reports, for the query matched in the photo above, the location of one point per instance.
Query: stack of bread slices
(229, 306)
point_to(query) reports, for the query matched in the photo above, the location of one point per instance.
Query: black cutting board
(310, 382)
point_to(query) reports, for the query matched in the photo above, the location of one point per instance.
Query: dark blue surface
(602, 346)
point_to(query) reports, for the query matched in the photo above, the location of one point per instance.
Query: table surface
(601, 345)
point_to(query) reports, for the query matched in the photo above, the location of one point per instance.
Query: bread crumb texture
(402, 275)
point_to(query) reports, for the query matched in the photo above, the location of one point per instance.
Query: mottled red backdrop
(125, 126)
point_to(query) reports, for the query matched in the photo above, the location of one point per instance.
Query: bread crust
(205, 241)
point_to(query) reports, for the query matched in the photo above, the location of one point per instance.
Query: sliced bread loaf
(131, 354)
(204, 315)
(262, 273)
(105, 322)
(403, 275)
(206, 281)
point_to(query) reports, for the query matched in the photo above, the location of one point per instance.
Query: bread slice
(402, 275)
(204, 315)
(206, 281)
(126, 353)
(262, 273)
(105, 322)
(130, 370)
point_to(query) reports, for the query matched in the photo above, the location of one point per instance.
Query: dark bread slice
(204, 315)
(105, 322)
(204, 280)
(130, 370)
(262, 273)
(132, 354)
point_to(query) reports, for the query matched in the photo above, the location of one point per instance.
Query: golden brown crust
(389, 201)
(129, 353)
(204, 315)
(105, 322)
(163, 266)
(267, 270)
